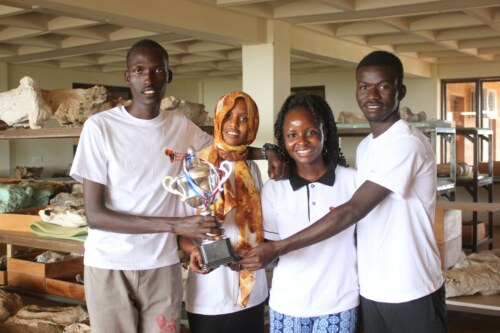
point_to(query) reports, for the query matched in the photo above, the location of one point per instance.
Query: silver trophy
(199, 185)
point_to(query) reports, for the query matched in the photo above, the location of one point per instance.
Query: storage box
(3, 278)
(25, 272)
(448, 235)
(449, 252)
(65, 287)
(467, 232)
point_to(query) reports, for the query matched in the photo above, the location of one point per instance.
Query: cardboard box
(25, 272)
(448, 235)
(3, 278)
(467, 232)
(449, 252)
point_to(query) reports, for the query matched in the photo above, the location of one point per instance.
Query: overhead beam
(381, 9)
(186, 17)
(304, 40)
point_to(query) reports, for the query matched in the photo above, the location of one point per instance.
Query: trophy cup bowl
(198, 186)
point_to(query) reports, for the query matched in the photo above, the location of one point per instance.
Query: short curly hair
(322, 114)
(383, 58)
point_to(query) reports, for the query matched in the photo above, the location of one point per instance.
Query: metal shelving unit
(479, 137)
(439, 132)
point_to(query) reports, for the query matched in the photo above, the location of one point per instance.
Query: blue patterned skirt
(342, 322)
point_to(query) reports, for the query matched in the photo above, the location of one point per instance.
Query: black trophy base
(217, 253)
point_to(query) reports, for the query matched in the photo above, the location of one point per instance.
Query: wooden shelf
(43, 133)
(485, 305)
(29, 239)
(363, 129)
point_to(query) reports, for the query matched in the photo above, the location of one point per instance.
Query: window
(461, 100)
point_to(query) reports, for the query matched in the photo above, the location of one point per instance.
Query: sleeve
(200, 138)
(90, 161)
(269, 213)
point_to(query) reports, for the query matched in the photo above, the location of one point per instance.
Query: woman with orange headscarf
(231, 299)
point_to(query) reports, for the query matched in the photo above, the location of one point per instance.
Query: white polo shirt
(397, 254)
(127, 155)
(322, 278)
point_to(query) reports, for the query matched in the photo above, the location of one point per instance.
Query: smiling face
(235, 124)
(147, 76)
(378, 93)
(303, 138)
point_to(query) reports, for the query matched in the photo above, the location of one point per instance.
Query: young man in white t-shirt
(132, 271)
(400, 279)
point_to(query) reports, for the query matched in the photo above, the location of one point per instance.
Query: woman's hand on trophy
(196, 262)
(259, 257)
(198, 226)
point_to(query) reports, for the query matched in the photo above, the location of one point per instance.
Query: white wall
(185, 89)
(467, 70)
(53, 78)
(214, 89)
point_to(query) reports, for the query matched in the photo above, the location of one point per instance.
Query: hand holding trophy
(199, 185)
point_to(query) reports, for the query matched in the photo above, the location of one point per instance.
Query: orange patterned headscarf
(245, 198)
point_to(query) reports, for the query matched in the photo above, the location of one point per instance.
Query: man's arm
(100, 217)
(277, 169)
(362, 202)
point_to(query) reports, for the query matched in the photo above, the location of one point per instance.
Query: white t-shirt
(127, 155)
(397, 253)
(322, 278)
(217, 292)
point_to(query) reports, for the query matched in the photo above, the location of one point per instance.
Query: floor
(458, 322)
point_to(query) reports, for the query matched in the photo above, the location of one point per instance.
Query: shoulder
(405, 137)
(177, 117)
(344, 171)
(276, 187)
(105, 116)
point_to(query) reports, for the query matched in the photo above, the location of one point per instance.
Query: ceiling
(205, 37)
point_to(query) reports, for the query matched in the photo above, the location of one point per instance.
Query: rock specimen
(351, 118)
(193, 111)
(37, 319)
(24, 106)
(10, 303)
(72, 107)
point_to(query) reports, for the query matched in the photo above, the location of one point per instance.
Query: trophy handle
(167, 183)
(226, 167)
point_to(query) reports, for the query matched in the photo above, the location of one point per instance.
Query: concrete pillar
(266, 77)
